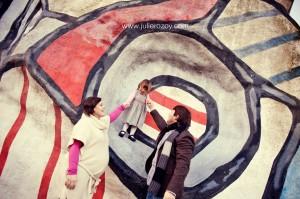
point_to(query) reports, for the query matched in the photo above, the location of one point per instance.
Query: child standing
(134, 116)
(88, 150)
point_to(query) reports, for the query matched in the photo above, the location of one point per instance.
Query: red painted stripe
(44, 186)
(17, 124)
(169, 103)
(79, 49)
(150, 122)
(100, 188)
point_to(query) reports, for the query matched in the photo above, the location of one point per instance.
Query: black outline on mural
(212, 125)
(285, 76)
(265, 45)
(4, 6)
(248, 16)
(11, 39)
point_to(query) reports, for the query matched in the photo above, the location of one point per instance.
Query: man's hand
(71, 181)
(169, 195)
(150, 104)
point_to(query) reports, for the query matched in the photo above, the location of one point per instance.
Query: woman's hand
(71, 181)
(126, 105)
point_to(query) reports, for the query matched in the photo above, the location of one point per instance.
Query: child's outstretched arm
(130, 97)
(115, 114)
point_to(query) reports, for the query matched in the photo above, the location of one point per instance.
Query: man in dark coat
(169, 163)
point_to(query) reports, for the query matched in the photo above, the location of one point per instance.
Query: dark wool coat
(179, 161)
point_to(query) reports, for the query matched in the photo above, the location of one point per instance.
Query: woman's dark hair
(89, 104)
(184, 119)
(146, 84)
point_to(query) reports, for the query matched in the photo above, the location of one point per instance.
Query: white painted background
(295, 11)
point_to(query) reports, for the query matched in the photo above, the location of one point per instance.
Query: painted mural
(234, 64)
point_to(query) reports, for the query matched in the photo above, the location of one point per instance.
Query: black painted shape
(283, 159)
(227, 21)
(45, 5)
(11, 36)
(283, 11)
(139, 135)
(35, 11)
(265, 45)
(281, 164)
(53, 90)
(15, 61)
(285, 76)
(4, 5)
(210, 133)
(59, 16)
(128, 177)
(212, 126)
(224, 175)
(258, 82)
(289, 10)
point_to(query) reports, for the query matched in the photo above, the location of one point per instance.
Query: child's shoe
(132, 138)
(122, 133)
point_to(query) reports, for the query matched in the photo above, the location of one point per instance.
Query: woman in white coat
(88, 150)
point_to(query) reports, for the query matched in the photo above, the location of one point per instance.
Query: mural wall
(235, 64)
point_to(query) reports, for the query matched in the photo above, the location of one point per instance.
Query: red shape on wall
(100, 188)
(48, 172)
(70, 58)
(197, 116)
(11, 135)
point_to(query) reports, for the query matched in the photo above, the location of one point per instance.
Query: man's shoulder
(185, 135)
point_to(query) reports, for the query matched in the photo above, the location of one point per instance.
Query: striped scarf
(157, 171)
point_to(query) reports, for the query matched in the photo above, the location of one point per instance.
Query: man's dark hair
(89, 104)
(184, 119)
